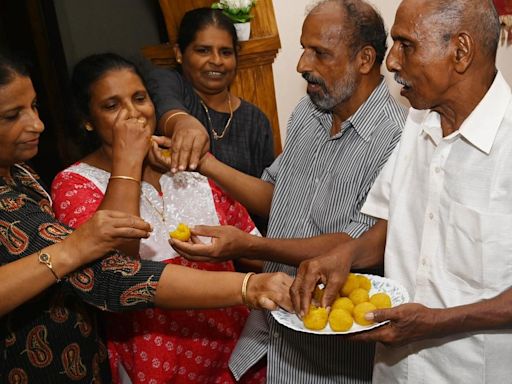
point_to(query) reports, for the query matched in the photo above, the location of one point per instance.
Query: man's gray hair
(477, 16)
(363, 26)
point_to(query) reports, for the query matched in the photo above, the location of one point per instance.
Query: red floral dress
(158, 346)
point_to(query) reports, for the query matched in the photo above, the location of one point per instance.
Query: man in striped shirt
(444, 205)
(339, 137)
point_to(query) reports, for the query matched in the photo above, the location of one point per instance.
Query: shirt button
(276, 335)
(431, 216)
(424, 262)
(437, 169)
(316, 180)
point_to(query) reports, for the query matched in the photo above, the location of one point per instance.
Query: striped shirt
(320, 182)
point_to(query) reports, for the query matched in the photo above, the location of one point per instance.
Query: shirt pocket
(479, 248)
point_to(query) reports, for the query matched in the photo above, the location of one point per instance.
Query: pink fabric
(158, 346)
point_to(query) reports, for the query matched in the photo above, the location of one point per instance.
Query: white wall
(290, 86)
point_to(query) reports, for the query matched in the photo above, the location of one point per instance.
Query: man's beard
(343, 90)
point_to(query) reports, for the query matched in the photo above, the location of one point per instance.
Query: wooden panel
(263, 24)
(254, 81)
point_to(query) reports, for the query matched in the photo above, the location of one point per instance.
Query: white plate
(396, 292)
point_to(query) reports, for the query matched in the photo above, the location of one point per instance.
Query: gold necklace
(217, 136)
(160, 213)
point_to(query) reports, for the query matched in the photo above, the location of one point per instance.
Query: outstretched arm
(26, 277)
(230, 243)
(181, 287)
(252, 192)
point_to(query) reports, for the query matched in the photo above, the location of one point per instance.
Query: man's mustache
(401, 81)
(313, 80)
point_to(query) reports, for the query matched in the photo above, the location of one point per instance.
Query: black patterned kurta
(54, 338)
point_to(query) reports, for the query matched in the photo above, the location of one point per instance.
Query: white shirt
(448, 202)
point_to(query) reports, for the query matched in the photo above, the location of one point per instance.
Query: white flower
(236, 4)
(238, 11)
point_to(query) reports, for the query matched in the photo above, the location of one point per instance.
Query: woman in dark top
(47, 332)
(240, 134)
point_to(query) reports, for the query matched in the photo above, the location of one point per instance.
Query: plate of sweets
(360, 294)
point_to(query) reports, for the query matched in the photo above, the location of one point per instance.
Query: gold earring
(178, 60)
(88, 127)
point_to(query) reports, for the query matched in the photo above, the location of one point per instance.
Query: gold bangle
(171, 116)
(244, 287)
(46, 259)
(125, 178)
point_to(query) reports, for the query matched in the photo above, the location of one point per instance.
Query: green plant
(239, 11)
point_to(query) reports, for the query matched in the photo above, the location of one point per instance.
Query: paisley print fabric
(157, 346)
(53, 338)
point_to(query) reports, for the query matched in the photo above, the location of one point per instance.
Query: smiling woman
(206, 50)
(196, 108)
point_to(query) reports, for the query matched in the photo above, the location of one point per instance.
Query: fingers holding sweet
(196, 251)
(331, 269)
(301, 291)
(160, 153)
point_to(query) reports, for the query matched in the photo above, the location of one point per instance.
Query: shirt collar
(367, 117)
(481, 126)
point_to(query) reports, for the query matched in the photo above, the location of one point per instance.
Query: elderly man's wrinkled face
(419, 58)
(325, 63)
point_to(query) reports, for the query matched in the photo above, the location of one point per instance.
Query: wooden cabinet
(254, 81)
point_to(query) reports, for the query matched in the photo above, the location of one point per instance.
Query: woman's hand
(104, 231)
(160, 154)
(270, 291)
(131, 139)
(190, 141)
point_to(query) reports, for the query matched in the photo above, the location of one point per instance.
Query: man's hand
(331, 269)
(408, 323)
(227, 243)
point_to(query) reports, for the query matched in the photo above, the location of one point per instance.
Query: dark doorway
(29, 28)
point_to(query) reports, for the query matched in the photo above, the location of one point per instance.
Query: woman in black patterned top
(206, 51)
(48, 334)
(195, 105)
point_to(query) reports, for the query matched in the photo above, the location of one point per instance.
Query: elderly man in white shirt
(444, 201)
